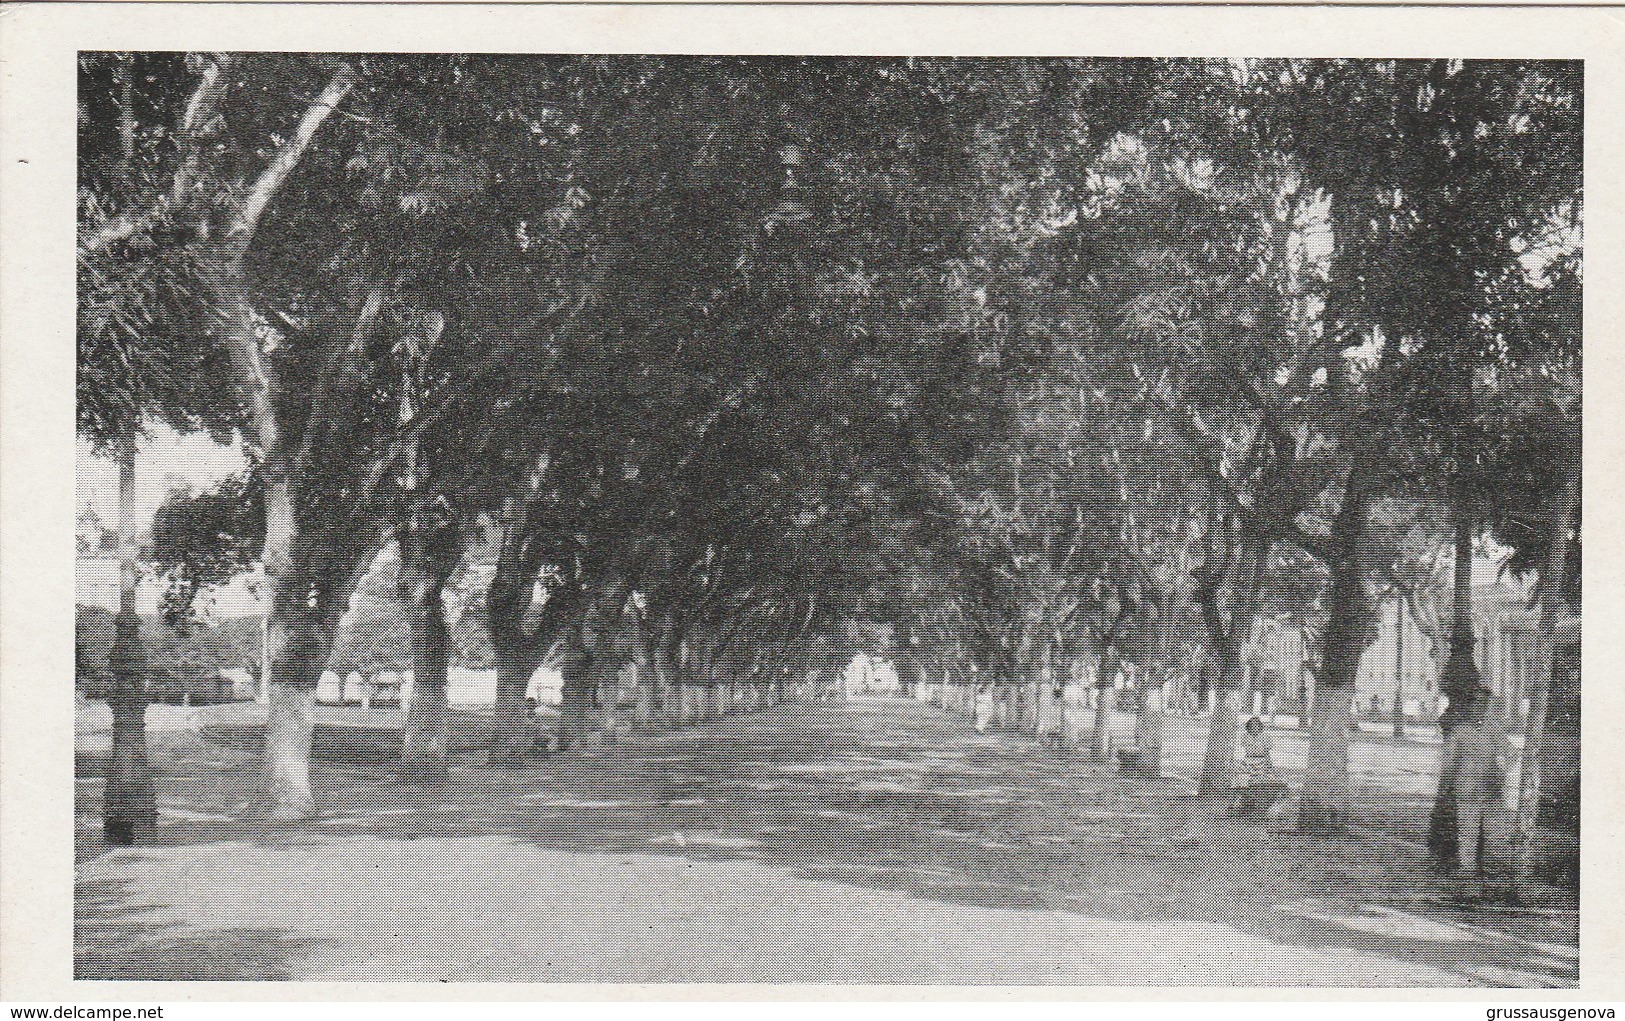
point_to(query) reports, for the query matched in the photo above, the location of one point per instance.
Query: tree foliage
(734, 354)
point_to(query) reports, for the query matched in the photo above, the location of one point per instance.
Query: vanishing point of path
(881, 842)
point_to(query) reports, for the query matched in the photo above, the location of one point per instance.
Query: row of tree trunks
(590, 693)
(1054, 717)
(1325, 803)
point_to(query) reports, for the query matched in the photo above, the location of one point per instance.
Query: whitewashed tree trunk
(289, 730)
(426, 743)
(1552, 583)
(1219, 759)
(1325, 804)
(1148, 730)
(1100, 744)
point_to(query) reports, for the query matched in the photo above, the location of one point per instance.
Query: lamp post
(128, 805)
(129, 811)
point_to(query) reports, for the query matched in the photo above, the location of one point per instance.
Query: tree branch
(343, 363)
(287, 157)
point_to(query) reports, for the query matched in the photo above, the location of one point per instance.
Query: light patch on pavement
(707, 839)
(1379, 921)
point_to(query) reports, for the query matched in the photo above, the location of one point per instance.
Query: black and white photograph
(611, 518)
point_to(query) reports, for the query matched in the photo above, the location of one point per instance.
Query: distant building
(1406, 663)
(96, 562)
(868, 674)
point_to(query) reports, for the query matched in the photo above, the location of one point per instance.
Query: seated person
(1261, 786)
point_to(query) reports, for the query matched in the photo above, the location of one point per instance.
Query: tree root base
(129, 833)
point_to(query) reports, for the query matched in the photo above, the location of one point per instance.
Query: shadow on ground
(115, 941)
(892, 798)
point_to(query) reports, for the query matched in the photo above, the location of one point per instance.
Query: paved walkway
(877, 843)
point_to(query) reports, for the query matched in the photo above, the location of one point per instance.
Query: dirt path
(877, 843)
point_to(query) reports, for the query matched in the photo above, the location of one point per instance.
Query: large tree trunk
(606, 686)
(429, 554)
(513, 735)
(305, 568)
(292, 645)
(1219, 758)
(704, 670)
(306, 560)
(682, 674)
(645, 710)
(1155, 693)
(1074, 703)
(1552, 583)
(299, 637)
(1035, 703)
(1324, 807)
(289, 728)
(1227, 645)
(517, 653)
(1105, 693)
(427, 739)
(652, 708)
(1148, 726)
(309, 575)
(1045, 723)
(299, 567)
(576, 696)
(663, 673)
(1458, 682)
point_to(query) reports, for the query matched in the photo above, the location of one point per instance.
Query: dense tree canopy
(1048, 364)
